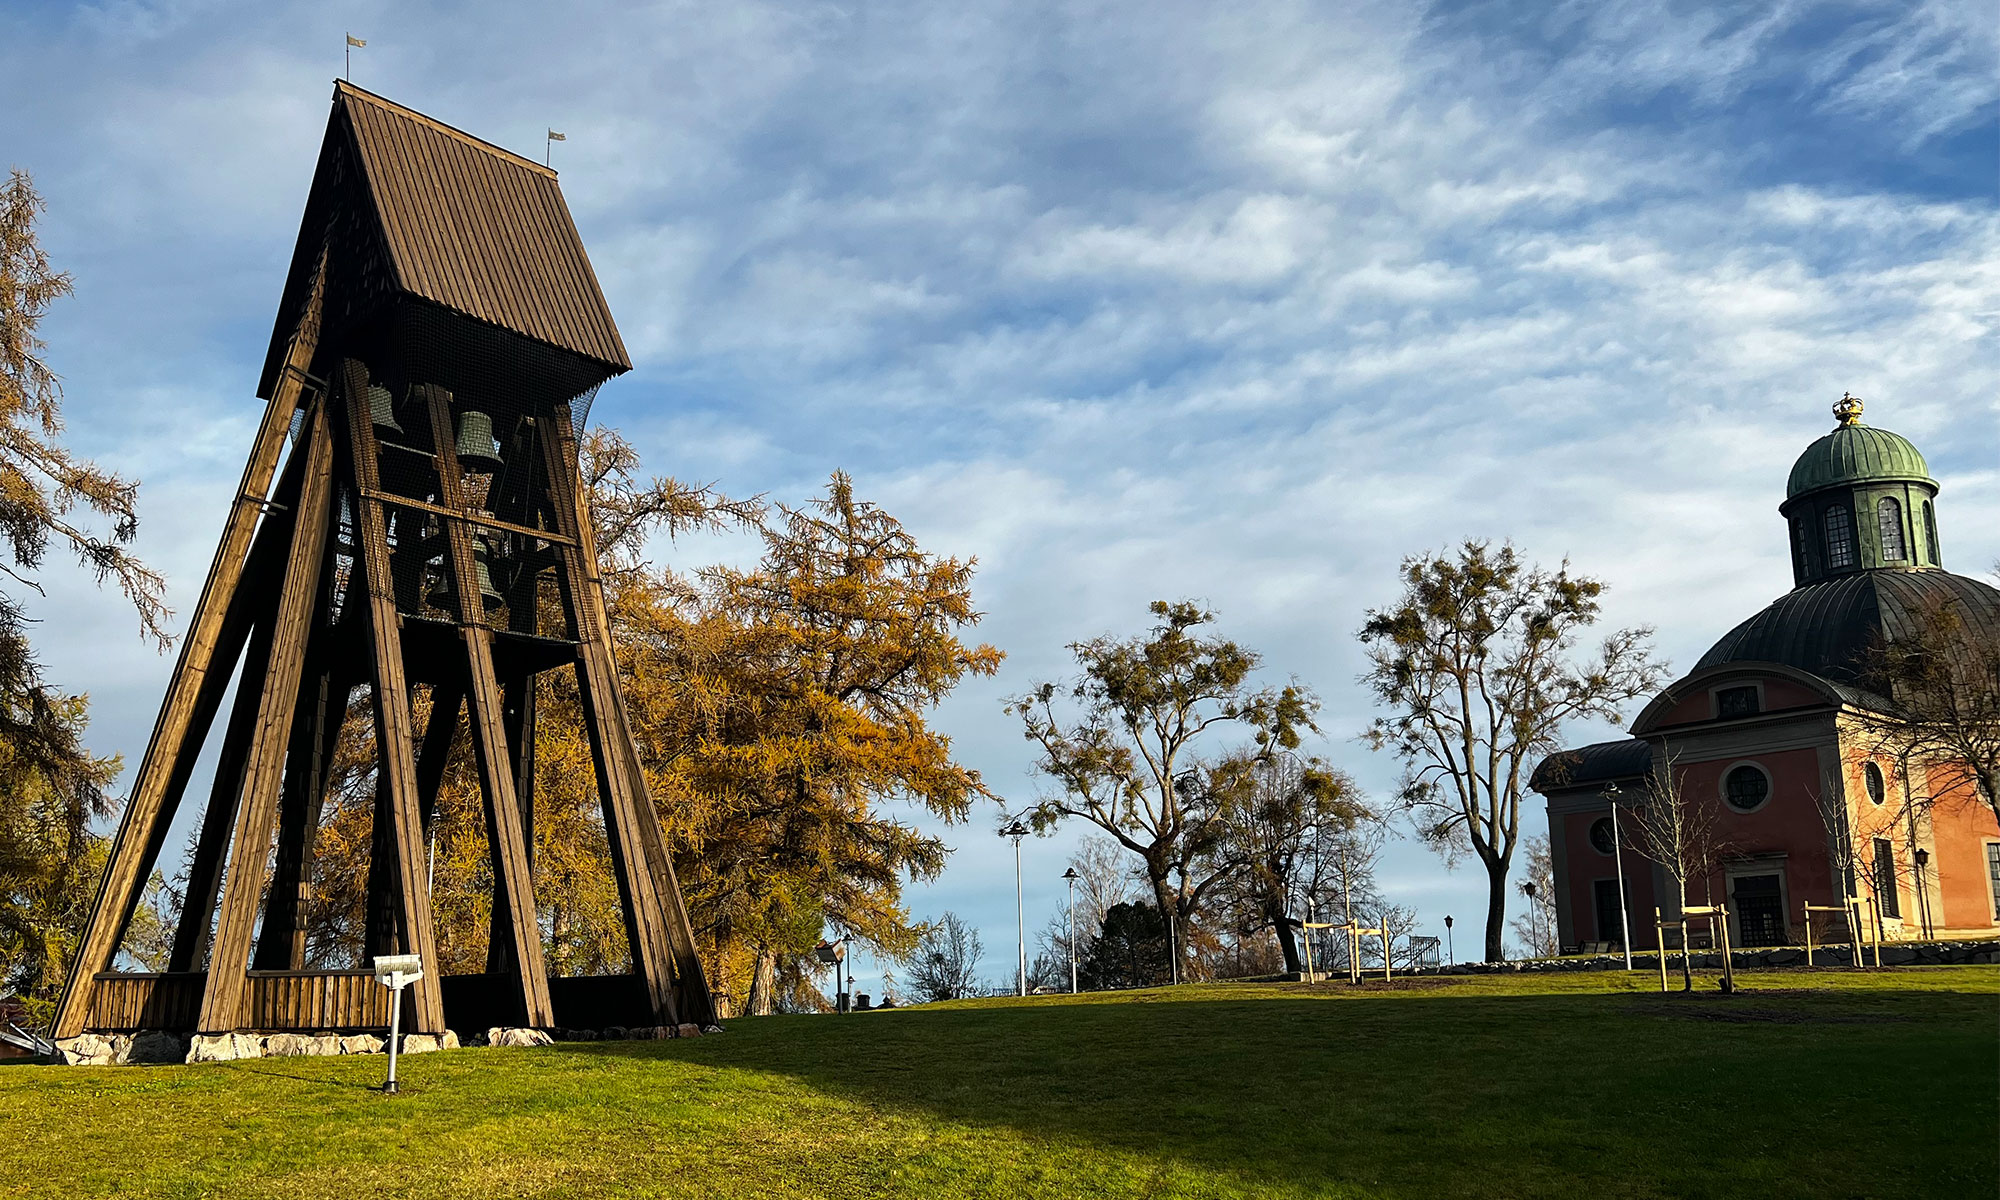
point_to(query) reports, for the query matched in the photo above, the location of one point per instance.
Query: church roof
(1627, 758)
(1826, 628)
(430, 212)
(1856, 453)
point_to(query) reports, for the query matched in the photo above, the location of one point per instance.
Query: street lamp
(1923, 858)
(1534, 913)
(834, 953)
(1070, 875)
(1017, 831)
(1450, 956)
(1611, 794)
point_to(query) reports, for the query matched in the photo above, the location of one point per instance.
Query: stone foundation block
(224, 1047)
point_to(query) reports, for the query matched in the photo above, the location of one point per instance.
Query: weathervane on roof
(1848, 409)
(352, 42)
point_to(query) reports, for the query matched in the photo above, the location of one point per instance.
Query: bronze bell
(478, 450)
(441, 592)
(382, 410)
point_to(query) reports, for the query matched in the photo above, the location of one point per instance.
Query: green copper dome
(1855, 453)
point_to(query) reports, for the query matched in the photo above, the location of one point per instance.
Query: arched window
(1889, 524)
(1930, 535)
(1799, 546)
(1878, 789)
(1839, 538)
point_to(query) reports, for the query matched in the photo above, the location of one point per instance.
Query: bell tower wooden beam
(513, 886)
(194, 690)
(396, 759)
(626, 811)
(278, 691)
(247, 635)
(697, 1003)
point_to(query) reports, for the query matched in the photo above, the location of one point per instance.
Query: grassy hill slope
(1814, 1084)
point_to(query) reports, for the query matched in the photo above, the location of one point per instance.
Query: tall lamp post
(1450, 956)
(1534, 913)
(1017, 831)
(1611, 794)
(1923, 858)
(1070, 875)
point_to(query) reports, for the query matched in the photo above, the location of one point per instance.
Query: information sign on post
(396, 972)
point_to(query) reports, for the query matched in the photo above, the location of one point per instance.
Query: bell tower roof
(406, 209)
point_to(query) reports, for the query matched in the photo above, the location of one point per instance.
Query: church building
(1769, 743)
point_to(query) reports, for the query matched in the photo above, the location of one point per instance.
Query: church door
(1605, 893)
(1760, 909)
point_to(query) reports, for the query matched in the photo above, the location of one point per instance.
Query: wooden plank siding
(305, 1001)
(351, 1001)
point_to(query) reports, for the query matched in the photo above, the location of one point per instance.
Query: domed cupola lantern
(1860, 499)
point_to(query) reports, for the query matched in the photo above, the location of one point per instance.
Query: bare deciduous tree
(1125, 759)
(1677, 830)
(1271, 811)
(1537, 927)
(1475, 664)
(1940, 688)
(945, 964)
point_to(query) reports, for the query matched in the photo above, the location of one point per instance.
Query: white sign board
(398, 970)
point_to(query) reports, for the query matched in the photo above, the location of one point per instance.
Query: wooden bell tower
(440, 338)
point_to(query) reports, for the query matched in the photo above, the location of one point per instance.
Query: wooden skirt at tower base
(350, 1001)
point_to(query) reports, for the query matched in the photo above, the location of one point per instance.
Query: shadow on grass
(321, 1082)
(1439, 1094)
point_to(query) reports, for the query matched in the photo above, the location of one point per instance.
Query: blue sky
(1234, 302)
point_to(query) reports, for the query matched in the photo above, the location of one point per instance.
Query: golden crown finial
(1848, 409)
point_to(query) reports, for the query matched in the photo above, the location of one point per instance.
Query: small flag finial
(553, 138)
(352, 42)
(1848, 409)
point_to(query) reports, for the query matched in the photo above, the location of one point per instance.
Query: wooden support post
(1660, 935)
(263, 574)
(392, 701)
(695, 996)
(513, 886)
(517, 699)
(1854, 935)
(447, 701)
(597, 684)
(281, 944)
(1721, 922)
(170, 752)
(256, 806)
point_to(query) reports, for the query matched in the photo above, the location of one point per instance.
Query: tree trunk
(1163, 896)
(1496, 911)
(763, 984)
(1287, 942)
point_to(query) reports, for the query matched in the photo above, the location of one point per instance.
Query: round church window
(1746, 788)
(1600, 835)
(1872, 776)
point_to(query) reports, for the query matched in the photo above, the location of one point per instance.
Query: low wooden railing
(312, 1001)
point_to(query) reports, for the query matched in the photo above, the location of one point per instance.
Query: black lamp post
(1070, 875)
(1017, 831)
(1534, 913)
(1451, 956)
(1611, 794)
(1923, 858)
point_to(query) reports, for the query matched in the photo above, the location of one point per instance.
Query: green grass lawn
(1818, 1084)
